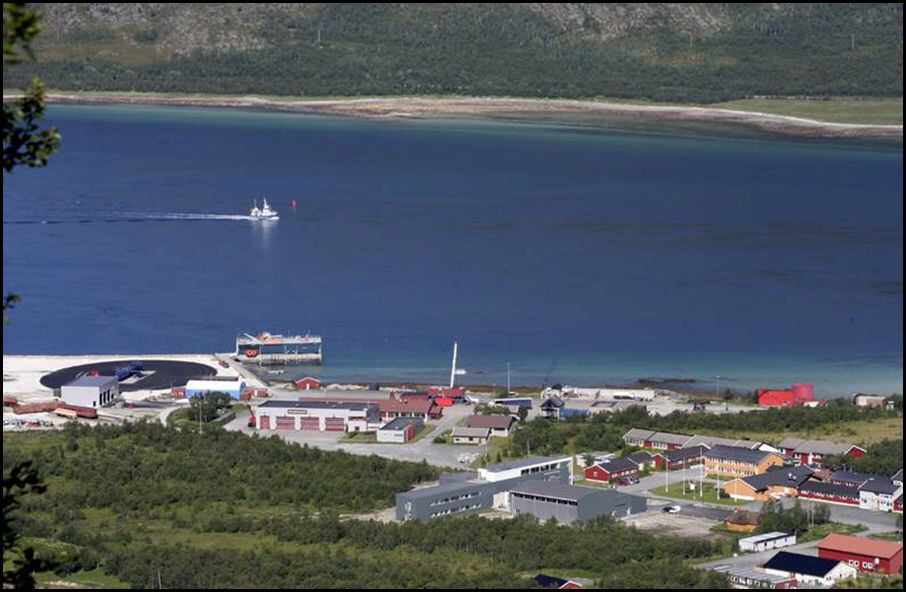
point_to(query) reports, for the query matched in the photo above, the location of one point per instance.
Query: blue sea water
(579, 255)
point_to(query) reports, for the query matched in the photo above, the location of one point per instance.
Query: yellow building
(777, 480)
(734, 461)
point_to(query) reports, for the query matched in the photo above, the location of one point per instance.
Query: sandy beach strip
(428, 107)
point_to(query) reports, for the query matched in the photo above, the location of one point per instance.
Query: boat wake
(136, 217)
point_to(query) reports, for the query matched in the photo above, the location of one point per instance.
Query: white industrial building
(766, 542)
(324, 416)
(91, 391)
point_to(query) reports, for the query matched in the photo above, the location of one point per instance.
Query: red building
(308, 383)
(796, 395)
(829, 492)
(865, 554)
(410, 407)
(611, 469)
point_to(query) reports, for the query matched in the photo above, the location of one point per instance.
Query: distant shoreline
(435, 107)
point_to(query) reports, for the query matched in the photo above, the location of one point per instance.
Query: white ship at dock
(265, 348)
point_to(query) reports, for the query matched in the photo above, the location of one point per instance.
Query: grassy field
(877, 111)
(862, 432)
(709, 494)
(820, 531)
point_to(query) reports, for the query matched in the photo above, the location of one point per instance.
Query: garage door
(286, 423)
(335, 424)
(311, 423)
(265, 422)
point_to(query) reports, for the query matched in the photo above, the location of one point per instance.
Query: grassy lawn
(822, 530)
(889, 536)
(880, 111)
(94, 578)
(709, 494)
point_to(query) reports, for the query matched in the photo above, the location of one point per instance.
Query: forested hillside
(677, 52)
(143, 505)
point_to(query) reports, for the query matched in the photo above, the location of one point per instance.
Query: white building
(522, 466)
(879, 493)
(766, 542)
(91, 391)
(323, 416)
(231, 386)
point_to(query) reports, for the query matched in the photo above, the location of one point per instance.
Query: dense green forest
(677, 52)
(142, 502)
(605, 432)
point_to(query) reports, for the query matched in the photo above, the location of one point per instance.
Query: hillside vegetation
(663, 52)
(140, 504)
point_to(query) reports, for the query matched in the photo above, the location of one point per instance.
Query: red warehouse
(865, 554)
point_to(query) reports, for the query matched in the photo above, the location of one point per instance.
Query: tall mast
(453, 366)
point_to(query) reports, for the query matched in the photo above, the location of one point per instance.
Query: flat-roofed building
(766, 542)
(232, 386)
(91, 391)
(485, 488)
(400, 430)
(569, 503)
(754, 578)
(324, 416)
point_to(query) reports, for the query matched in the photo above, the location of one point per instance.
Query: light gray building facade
(485, 489)
(91, 391)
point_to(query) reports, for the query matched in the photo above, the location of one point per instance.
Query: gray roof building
(736, 453)
(570, 503)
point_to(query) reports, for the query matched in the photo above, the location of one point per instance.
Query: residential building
(829, 493)
(849, 478)
(91, 391)
(500, 425)
(546, 581)
(865, 554)
(812, 452)
(733, 461)
(680, 457)
(775, 481)
(638, 437)
(570, 503)
(464, 435)
(879, 493)
(642, 458)
(610, 469)
(814, 571)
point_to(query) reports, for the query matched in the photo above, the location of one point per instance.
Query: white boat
(263, 213)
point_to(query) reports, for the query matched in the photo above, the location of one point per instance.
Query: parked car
(671, 509)
(633, 479)
(624, 481)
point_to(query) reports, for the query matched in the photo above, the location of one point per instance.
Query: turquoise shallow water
(577, 254)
